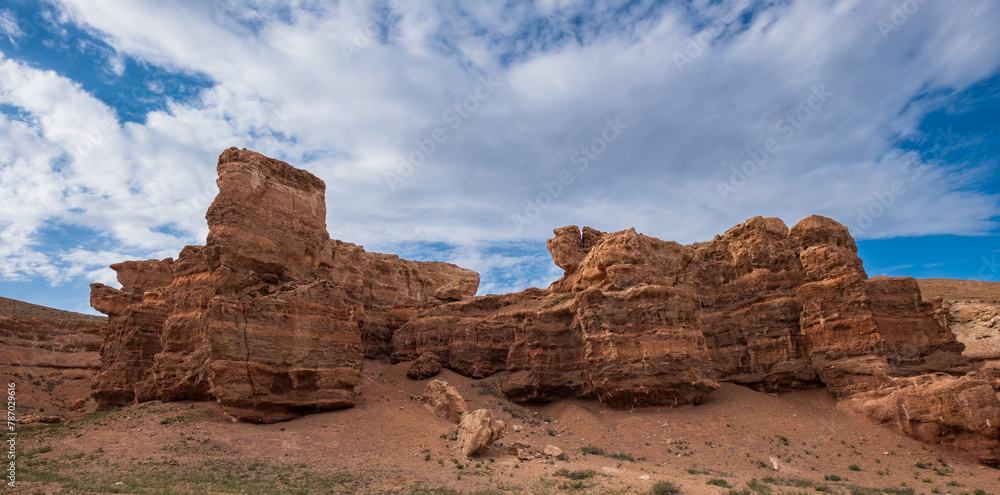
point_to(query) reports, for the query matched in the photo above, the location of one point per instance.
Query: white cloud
(347, 92)
(9, 26)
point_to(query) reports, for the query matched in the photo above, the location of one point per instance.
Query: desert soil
(390, 443)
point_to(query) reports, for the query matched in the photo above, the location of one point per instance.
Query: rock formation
(271, 317)
(639, 321)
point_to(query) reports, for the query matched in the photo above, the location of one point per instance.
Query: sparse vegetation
(576, 475)
(559, 300)
(664, 487)
(590, 449)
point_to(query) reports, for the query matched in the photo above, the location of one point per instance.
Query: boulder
(48, 419)
(478, 430)
(444, 401)
(426, 366)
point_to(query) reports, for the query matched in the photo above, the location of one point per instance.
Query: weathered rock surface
(478, 430)
(271, 317)
(426, 366)
(51, 361)
(639, 321)
(977, 325)
(960, 412)
(444, 401)
(552, 451)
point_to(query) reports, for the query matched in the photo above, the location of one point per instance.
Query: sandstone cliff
(271, 317)
(639, 321)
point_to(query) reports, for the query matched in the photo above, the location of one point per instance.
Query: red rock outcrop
(271, 317)
(640, 321)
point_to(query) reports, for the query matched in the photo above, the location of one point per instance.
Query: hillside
(19, 309)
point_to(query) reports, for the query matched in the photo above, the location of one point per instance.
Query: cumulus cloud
(485, 125)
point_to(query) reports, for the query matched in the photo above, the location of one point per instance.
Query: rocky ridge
(637, 321)
(272, 318)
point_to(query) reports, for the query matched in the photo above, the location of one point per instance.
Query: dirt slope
(20, 309)
(959, 290)
(390, 443)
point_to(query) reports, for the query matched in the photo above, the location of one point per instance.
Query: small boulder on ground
(28, 419)
(478, 430)
(552, 451)
(77, 404)
(425, 366)
(444, 401)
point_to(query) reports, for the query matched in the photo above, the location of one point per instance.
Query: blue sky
(467, 131)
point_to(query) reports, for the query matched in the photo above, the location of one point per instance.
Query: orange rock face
(271, 317)
(640, 321)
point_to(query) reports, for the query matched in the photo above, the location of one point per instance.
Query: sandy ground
(390, 443)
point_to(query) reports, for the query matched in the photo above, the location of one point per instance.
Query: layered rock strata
(637, 321)
(271, 317)
(51, 362)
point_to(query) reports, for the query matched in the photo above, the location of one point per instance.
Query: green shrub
(718, 482)
(664, 487)
(576, 475)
